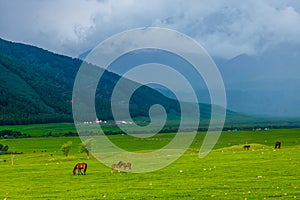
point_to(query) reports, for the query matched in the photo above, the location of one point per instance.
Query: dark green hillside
(36, 87)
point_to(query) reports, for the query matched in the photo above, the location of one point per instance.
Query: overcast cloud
(225, 28)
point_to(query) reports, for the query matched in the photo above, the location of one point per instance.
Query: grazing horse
(246, 147)
(125, 165)
(79, 167)
(277, 145)
(118, 166)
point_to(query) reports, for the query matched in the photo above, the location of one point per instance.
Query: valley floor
(228, 172)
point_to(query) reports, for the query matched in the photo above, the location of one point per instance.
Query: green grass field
(228, 172)
(41, 129)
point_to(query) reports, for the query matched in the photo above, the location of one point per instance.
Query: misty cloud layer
(225, 28)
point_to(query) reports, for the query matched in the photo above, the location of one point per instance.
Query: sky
(225, 28)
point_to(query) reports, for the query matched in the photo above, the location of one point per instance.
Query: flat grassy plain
(228, 172)
(41, 129)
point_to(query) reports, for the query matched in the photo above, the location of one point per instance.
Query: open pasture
(228, 172)
(41, 129)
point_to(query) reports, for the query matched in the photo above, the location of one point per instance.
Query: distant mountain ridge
(265, 84)
(36, 87)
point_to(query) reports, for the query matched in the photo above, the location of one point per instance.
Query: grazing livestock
(125, 165)
(246, 147)
(277, 145)
(118, 166)
(79, 167)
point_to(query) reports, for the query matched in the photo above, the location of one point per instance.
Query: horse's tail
(85, 167)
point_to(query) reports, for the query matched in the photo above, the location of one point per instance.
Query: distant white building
(97, 121)
(123, 122)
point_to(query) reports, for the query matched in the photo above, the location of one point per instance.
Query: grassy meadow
(228, 172)
(41, 129)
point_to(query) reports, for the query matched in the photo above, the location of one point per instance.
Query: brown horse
(118, 166)
(79, 167)
(277, 145)
(125, 165)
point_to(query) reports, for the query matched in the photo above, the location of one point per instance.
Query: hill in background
(36, 87)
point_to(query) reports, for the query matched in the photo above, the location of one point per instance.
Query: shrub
(65, 148)
(86, 146)
(3, 148)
